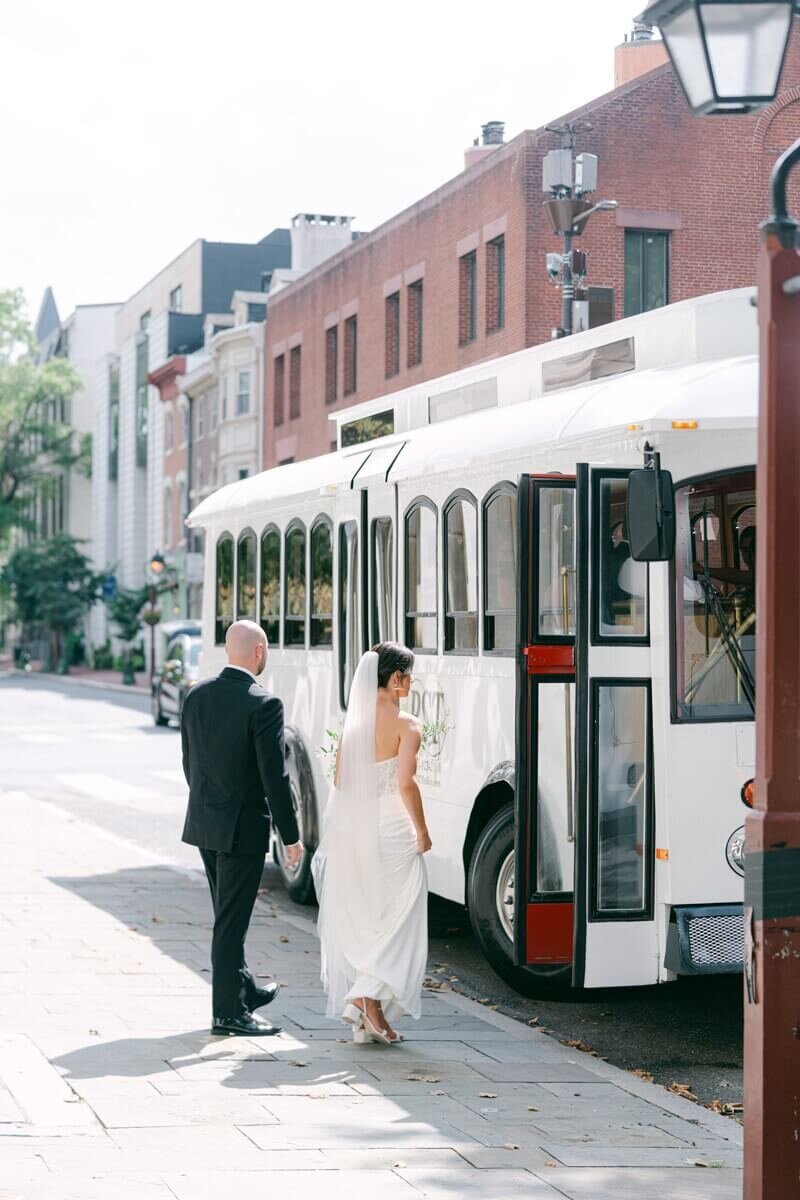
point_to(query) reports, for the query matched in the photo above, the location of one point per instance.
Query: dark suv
(179, 672)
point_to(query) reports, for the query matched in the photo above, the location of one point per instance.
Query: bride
(368, 871)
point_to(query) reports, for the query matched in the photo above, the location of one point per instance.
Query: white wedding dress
(370, 878)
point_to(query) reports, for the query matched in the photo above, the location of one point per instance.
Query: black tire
(299, 882)
(491, 861)
(158, 716)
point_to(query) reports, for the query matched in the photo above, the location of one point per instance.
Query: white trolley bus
(590, 717)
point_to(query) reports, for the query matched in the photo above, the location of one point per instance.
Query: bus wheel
(297, 880)
(490, 897)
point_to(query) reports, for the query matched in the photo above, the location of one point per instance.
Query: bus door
(380, 543)
(349, 600)
(615, 936)
(545, 796)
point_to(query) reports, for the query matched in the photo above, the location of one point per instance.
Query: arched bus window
(224, 588)
(321, 582)
(271, 584)
(294, 620)
(349, 608)
(461, 574)
(500, 570)
(382, 610)
(421, 608)
(246, 576)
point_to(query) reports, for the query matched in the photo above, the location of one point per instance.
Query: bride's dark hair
(392, 657)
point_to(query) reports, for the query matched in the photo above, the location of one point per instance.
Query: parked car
(176, 676)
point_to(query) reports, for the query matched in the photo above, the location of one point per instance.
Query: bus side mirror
(650, 516)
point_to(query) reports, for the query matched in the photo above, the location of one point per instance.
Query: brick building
(460, 276)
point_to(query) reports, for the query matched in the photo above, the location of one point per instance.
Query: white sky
(131, 127)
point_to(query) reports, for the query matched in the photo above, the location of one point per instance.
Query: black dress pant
(234, 880)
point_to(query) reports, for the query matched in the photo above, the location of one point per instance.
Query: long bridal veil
(346, 867)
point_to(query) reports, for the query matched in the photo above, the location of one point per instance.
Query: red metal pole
(772, 861)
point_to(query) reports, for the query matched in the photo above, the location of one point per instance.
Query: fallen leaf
(682, 1089)
(511, 1146)
(438, 1093)
(548, 1162)
(431, 1079)
(488, 1095)
(398, 1164)
(299, 1063)
(158, 919)
(342, 1041)
(485, 1000)
(577, 1044)
(725, 1107)
(533, 1020)
(645, 1075)
(532, 1108)
(94, 1032)
(414, 1078)
(283, 938)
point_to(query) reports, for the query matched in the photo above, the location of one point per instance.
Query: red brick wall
(704, 179)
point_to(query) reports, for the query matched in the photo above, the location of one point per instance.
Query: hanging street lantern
(727, 54)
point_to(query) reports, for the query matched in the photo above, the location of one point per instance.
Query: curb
(78, 681)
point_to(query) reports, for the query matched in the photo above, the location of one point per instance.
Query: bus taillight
(748, 793)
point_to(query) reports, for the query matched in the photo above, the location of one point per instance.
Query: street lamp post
(163, 579)
(728, 56)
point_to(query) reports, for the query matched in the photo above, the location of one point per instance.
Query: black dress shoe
(244, 1026)
(264, 996)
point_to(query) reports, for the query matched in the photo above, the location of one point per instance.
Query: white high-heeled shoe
(365, 1030)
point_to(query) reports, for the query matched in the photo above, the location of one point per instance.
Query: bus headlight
(734, 851)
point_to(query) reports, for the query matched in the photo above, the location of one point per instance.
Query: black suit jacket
(233, 757)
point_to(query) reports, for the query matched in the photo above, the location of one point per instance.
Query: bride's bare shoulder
(409, 726)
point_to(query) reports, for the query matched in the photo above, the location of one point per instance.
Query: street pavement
(111, 1086)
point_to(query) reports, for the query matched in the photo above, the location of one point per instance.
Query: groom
(234, 757)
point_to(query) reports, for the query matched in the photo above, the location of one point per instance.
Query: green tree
(125, 611)
(35, 435)
(52, 586)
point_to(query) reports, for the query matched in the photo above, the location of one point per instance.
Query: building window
(392, 334)
(500, 570)
(224, 588)
(294, 382)
(294, 621)
(142, 402)
(176, 299)
(461, 575)
(495, 284)
(271, 584)
(646, 270)
(200, 420)
(421, 608)
(467, 297)
(322, 583)
(184, 425)
(224, 386)
(246, 571)
(168, 515)
(113, 421)
(601, 306)
(144, 321)
(256, 312)
(350, 355)
(331, 364)
(242, 393)
(169, 431)
(213, 419)
(414, 319)
(183, 511)
(278, 386)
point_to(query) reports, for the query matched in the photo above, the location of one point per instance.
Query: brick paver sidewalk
(110, 1085)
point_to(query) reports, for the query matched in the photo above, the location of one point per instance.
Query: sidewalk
(111, 1087)
(109, 681)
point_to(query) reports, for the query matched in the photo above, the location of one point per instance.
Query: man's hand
(293, 854)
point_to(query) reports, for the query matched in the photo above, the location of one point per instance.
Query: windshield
(715, 603)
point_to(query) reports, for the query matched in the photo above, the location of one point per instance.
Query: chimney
(491, 138)
(638, 54)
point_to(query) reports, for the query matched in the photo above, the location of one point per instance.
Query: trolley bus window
(461, 571)
(349, 609)
(715, 601)
(294, 622)
(246, 570)
(382, 616)
(500, 569)
(622, 582)
(224, 588)
(421, 590)
(555, 847)
(620, 800)
(271, 584)
(321, 583)
(556, 562)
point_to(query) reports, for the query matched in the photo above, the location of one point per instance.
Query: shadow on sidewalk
(72, 689)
